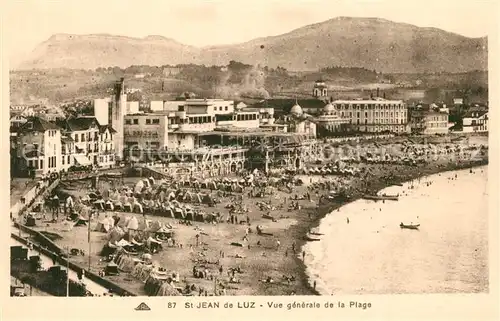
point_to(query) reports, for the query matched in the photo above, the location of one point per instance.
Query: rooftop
(37, 124)
(78, 123)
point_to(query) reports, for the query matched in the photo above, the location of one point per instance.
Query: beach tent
(105, 193)
(189, 216)
(154, 226)
(125, 263)
(207, 199)
(117, 205)
(81, 221)
(115, 234)
(199, 217)
(99, 204)
(139, 186)
(138, 207)
(133, 224)
(167, 290)
(124, 223)
(105, 224)
(108, 249)
(171, 196)
(127, 207)
(111, 269)
(142, 225)
(123, 243)
(109, 206)
(145, 272)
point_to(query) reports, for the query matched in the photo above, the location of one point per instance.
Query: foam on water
(372, 255)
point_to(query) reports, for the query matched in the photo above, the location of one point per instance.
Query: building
(106, 157)
(171, 71)
(38, 148)
(68, 151)
(156, 106)
(475, 121)
(428, 121)
(374, 115)
(102, 107)
(282, 106)
(330, 122)
(178, 130)
(144, 132)
(85, 133)
(16, 122)
(132, 107)
(320, 90)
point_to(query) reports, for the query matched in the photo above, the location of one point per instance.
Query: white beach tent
(139, 186)
(133, 224)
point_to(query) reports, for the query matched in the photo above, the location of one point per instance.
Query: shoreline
(300, 230)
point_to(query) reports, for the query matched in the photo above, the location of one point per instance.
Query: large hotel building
(374, 115)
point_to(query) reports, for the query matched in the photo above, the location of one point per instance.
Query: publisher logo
(142, 307)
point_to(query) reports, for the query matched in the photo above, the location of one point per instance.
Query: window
(82, 136)
(128, 122)
(136, 121)
(366, 114)
(358, 114)
(63, 160)
(148, 121)
(69, 160)
(220, 108)
(156, 121)
(225, 108)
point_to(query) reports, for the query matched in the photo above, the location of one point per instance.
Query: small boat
(384, 197)
(409, 226)
(310, 237)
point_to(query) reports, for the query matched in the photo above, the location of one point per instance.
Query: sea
(363, 250)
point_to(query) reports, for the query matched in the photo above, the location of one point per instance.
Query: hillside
(371, 43)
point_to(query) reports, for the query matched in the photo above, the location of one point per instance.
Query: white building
(101, 110)
(156, 105)
(475, 121)
(38, 147)
(178, 129)
(132, 107)
(374, 115)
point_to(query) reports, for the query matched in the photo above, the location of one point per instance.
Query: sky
(200, 23)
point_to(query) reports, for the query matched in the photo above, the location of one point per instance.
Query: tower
(320, 90)
(118, 106)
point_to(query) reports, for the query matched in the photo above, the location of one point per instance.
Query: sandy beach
(278, 256)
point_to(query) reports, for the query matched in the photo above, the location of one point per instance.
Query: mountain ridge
(373, 43)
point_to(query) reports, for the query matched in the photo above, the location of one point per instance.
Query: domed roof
(328, 109)
(296, 109)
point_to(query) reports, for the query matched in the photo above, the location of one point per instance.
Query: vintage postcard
(250, 158)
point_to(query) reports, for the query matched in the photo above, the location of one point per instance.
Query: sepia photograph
(206, 149)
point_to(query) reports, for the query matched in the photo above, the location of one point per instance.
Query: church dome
(328, 109)
(296, 110)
